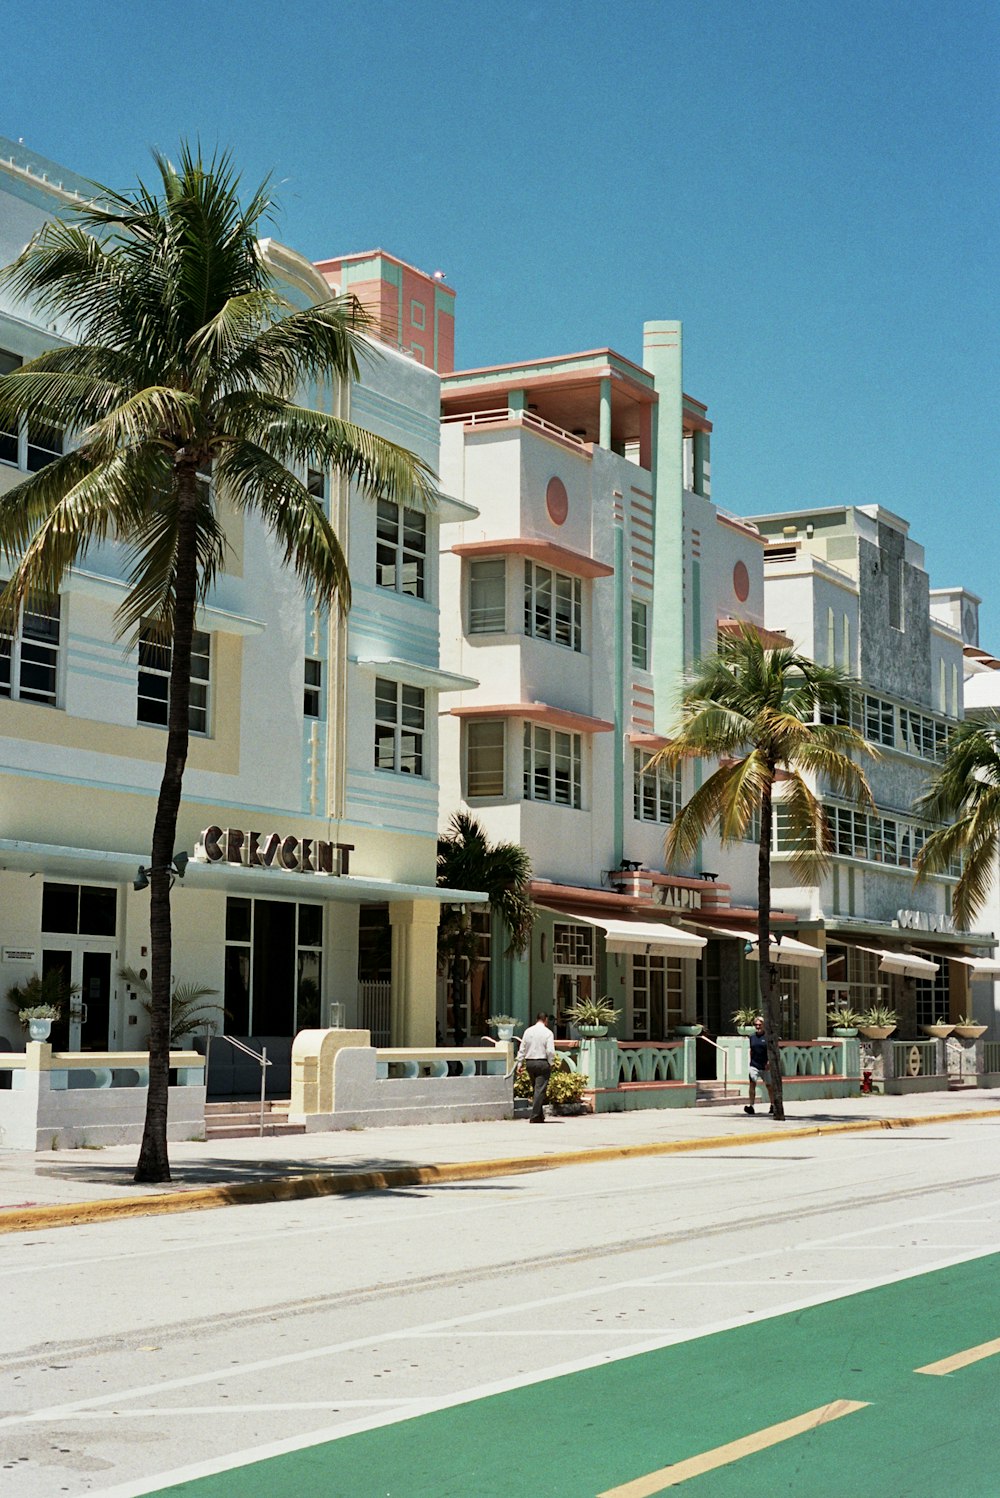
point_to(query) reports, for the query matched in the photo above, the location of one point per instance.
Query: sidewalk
(75, 1186)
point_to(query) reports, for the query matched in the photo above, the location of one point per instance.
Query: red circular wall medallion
(556, 501)
(741, 582)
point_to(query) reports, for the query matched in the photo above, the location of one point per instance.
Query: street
(653, 1296)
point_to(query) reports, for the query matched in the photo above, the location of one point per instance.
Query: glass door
(85, 1023)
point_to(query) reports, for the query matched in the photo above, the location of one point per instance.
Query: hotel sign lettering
(677, 897)
(256, 850)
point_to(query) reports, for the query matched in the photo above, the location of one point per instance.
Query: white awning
(981, 967)
(412, 674)
(633, 936)
(788, 952)
(907, 964)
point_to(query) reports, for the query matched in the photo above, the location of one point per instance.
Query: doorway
(86, 1023)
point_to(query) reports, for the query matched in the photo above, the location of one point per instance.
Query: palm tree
(754, 709)
(186, 363)
(468, 860)
(965, 792)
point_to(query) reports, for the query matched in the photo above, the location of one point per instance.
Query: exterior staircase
(715, 1095)
(242, 1120)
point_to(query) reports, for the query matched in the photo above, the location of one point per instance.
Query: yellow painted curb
(335, 1183)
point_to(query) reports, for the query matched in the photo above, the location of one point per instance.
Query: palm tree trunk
(153, 1163)
(768, 1002)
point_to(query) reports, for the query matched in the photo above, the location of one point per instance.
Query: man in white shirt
(537, 1051)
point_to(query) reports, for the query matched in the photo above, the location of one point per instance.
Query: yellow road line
(962, 1359)
(733, 1451)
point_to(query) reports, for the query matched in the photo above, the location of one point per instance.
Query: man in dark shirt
(758, 1065)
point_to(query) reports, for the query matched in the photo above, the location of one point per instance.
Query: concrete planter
(970, 1032)
(876, 1032)
(939, 1032)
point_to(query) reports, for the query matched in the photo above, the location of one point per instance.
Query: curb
(337, 1183)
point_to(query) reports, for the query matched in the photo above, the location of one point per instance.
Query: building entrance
(86, 1023)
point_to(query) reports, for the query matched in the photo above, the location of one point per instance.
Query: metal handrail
(261, 1059)
(725, 1059)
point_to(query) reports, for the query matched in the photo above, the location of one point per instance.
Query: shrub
(565, 1086)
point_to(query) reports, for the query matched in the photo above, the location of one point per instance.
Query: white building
(310, 799)
(849, 586)
(597, 567)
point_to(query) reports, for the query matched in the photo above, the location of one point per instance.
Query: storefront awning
(636, 936)
(980, 967)
(785, 953)
(907, 964)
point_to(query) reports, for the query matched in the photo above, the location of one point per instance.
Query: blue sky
(811, 188)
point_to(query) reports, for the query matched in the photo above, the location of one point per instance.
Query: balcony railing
(503, 416)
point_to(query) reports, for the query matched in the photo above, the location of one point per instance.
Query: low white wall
(365, 1100)
(39, 1117)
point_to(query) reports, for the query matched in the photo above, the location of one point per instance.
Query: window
(79, 909)
(29, 658)
(312, 695)
(656, 790)
(572, 946)
(933, 996)
(28, 445)
(273, 966)
(552, 766)
(316, 484)
(154, 680)
(880, 721)
(553, 606)
(399, 727)
(485, 763)
(922, 735)
(488, 597)
(400, 549)
(640, 635)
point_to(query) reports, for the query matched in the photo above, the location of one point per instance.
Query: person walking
(537, 1051)
(758, 1065)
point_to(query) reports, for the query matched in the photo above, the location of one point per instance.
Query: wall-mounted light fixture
(175, 868)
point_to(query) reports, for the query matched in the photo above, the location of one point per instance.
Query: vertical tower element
(662, 356)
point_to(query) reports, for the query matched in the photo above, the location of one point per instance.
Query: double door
(88, 965)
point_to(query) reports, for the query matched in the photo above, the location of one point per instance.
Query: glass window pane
(486, 759)
(310, 925)
(98, 911)
(60, 907)
(488, 596)
(237, 919)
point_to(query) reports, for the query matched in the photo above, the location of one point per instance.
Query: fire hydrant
(866, 1081)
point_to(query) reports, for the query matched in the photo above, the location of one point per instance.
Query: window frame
(541, 765)
(640, 635)
(200, 702)
(396, 552)
(553, 606)
(25, 652)
(655, 790)
(32, 448)
(394, 730)
(475, 730)
(488, 611)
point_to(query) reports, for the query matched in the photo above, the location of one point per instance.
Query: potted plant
(37, 1019)
(844, 1022)
(40, 1000)
(692, 1029)
(593, 1016)
(940, 1028)
(966, 1026)
(564, 1092)
(744, 1018)
(878, 1022)
(503, 1024)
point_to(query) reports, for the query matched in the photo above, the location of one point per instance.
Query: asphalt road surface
(818, 1317)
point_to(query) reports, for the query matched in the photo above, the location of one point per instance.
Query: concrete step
(252, 1131)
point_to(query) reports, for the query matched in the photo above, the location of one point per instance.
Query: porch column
(413, 1009)
(605, 432)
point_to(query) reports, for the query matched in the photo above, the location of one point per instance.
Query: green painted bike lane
(591, 1432)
